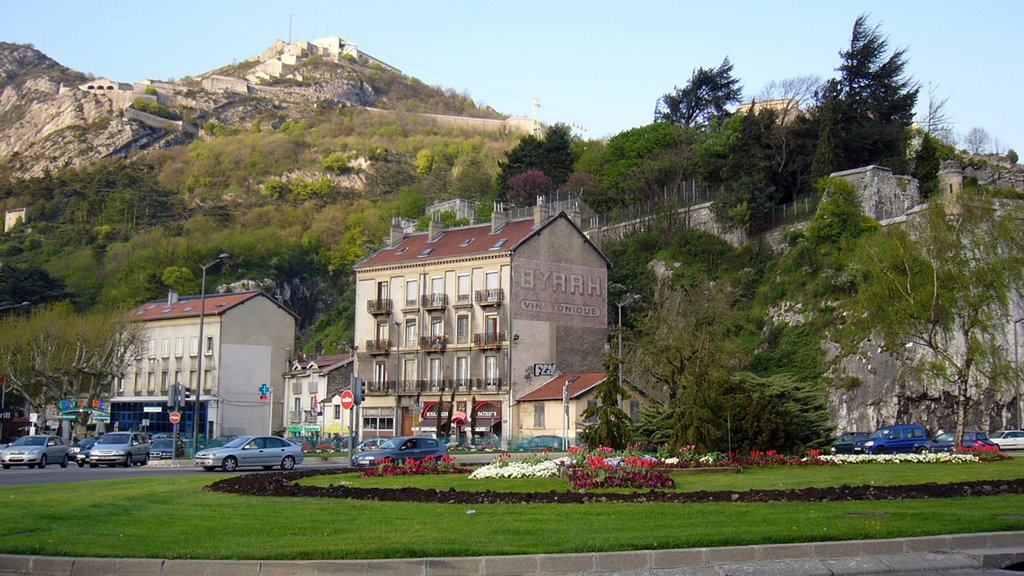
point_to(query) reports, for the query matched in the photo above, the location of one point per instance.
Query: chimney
(498, 217)
(172, 297)
(436, 227)
(540, 211)
(397, 233)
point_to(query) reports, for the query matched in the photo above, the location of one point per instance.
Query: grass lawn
(175, 518)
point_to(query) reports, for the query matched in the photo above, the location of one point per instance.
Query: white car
(1010, 440)
(32, 451)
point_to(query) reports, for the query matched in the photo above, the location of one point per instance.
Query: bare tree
(800, 90)
(936, 121)
(977, 140)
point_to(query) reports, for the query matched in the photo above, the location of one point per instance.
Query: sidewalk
(929, 553)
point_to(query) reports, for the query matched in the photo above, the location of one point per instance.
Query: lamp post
(626, 301)
(1016, 375)
(202, 351)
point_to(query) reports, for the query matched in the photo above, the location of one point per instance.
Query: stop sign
(347, 399)
(174, 417)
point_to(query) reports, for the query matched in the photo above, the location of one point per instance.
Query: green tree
(551, 155)
(872, 102)
(839, 215)
(939, 290)
(612, 426)
(704, 100)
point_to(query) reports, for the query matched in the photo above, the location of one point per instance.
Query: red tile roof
(463, 241)
(552, 389)
(188, 306)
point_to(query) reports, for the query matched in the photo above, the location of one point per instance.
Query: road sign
(347, 399)
(174, 417)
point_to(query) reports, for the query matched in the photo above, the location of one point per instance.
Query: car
(846, 441)
(400, 449)
(79, 451)
(902, 438)
(161, 448)
(1009, 440)
(124, 448)
(250, 451)
(944, 442)
(543, 442)
(370, 443)
(36, 450)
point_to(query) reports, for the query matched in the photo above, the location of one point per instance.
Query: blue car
(402, 448)
(900, 439)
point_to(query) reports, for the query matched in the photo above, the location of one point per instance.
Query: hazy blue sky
(601, 65)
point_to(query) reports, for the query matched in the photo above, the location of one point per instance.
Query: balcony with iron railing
(295, 416)
(435, 301)
(377, 346)
(433, 343)
(489, 340)
(460, 385)
(382, 388)
(490, 297)
(379, 306)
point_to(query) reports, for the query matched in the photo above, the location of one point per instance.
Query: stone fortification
(882, 194)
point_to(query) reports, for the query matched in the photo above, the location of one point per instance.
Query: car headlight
(869, 443)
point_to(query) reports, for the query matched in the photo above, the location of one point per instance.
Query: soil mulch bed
(283, 484)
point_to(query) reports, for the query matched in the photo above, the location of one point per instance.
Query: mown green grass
(176, 518)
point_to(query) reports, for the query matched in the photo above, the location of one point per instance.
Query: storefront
(468, 420)
(154, 418)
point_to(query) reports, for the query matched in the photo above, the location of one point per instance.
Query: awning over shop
(303, 428)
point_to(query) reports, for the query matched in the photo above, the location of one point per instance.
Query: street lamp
(626, 301)
(1016, 375)
(202, 351)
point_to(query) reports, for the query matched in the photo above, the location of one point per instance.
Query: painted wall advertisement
(562, 293)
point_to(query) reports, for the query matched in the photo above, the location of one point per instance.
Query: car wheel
(127, 461)
(64, 461)
(80, 464)
(145, 462)
(288, 463)
(94, 465)
(230, 464)
(7, 466)
(42, 461)
(923, 450)
(209, 468)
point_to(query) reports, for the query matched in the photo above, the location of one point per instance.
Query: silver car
(249, 451)
(124, 448)
(1010, 440)
(38, 450)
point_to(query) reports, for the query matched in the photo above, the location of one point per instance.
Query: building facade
(247, 338)
(466, 319)
(313, 401)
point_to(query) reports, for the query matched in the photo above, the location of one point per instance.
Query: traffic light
(358, 390)
(186, 393)
(173, 393)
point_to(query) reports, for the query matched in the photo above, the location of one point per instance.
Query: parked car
(161, 448)
(249, 451)
(1009, 440)
(124, 448)
(79, 451)
(402, 448)
(846, 442)
(371, 443)
(944, 442)
(37, 450)
(543, 442)
(903, 438)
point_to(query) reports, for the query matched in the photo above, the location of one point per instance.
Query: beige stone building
(313, 396)
(488, 312)
(247, 338)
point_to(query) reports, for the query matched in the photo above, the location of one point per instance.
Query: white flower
(546, 469)
(948, 457)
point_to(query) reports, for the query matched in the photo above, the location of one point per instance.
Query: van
(900, 439)
(124, 448)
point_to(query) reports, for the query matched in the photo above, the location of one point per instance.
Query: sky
(599, 66)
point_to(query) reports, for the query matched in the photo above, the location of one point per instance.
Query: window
(209, 345)
(337, 411)
(163, 382)
(193, 346)
(491, 370)
(437, 285)
(380, 372)
(382, 331)
(462, 371)
(435, 373)
(491, 326)
(297, 408)
(166, 348)
(152, 348)
(410, 333)
(538, 415)
(177, 377)
(382, 291)
(410, 369)
(207, 381)
(138, 383)
(634, 410)
(464, 288)
(437, 326)
(179, 347)
(499, 244)
(313, 385)
(151, 382)
(462, 329)
(492, 280)
(378, 419)
(411, 292)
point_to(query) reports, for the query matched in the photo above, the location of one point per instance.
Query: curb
(928, 553)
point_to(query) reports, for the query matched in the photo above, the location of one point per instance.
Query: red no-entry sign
(174, 417)
(347, 399)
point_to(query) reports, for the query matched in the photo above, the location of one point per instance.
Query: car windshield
(162, 443)
(85, 442)
(30, 441)
(237, 442)
(392, 444)
(881, 433)
(114, 439)
(945, 437)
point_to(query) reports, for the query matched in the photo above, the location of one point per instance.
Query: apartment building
(247, 339)
(455, 323)
(313, 395)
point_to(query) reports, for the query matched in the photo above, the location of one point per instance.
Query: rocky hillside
(48, 121)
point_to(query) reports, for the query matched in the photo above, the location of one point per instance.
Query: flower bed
(411, 467)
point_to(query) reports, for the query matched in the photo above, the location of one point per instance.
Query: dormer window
(426, 252)
(467, 242)
(499, 244)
